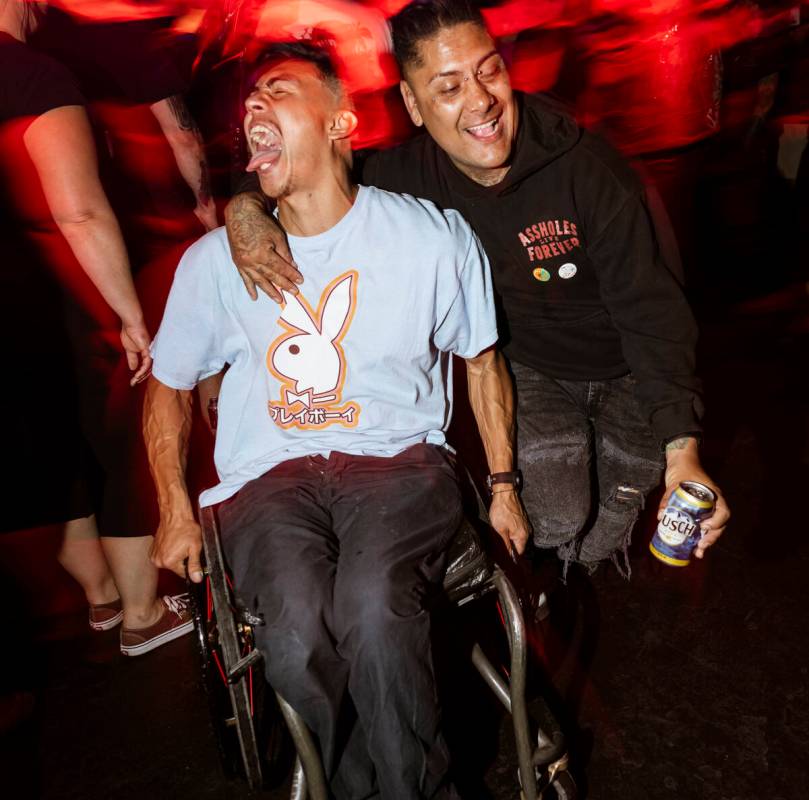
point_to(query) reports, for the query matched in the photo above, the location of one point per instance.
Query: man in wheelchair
(336, 498)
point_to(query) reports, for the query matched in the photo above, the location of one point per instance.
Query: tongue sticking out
(264, 159)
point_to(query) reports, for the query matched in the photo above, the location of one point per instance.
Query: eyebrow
(286, 77)
(451, 72)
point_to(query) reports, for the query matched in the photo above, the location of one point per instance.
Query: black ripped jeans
(588, 460)
(341, 555)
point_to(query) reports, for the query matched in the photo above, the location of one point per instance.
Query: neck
(485, 177)
(317, 208)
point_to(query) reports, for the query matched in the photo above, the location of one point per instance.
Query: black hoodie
(586, 290)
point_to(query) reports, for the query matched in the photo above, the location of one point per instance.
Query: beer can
(678, 532)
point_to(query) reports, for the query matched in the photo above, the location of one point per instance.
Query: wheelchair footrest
(242, 665)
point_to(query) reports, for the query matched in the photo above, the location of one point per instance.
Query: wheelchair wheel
(202, 635)
(236, 707)
(247, 722)
(248, 727)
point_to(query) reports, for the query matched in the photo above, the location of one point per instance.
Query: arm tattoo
(181, 113)
(243, 233)
(204, 183)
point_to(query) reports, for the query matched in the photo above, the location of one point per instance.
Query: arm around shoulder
(259, 247)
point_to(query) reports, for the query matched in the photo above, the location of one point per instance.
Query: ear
(296, 315)
(410, 103)
(343, 124)
(335, 311)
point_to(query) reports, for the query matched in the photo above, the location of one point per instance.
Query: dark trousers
(341, 555)
(588, 459)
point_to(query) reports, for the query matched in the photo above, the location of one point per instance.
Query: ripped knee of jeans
(626, 497)
(611, 534)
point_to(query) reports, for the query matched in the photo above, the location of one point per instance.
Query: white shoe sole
(108, 623)
(157, 641)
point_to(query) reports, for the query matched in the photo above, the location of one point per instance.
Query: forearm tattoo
(244, 233)
(181, 113)
(204, 194)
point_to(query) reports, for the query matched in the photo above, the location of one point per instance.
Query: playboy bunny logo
(309, 361)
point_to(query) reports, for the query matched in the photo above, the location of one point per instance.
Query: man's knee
(375, 614)
(294, 639)
(552, 531)
(294, 607)
(557, 491)
(612, 531)
(625, 500)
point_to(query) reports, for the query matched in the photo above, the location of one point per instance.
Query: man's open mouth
(265, 145)
(486, 131)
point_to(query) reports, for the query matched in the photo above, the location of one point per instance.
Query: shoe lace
(177, 603)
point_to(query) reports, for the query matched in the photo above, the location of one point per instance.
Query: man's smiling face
(460, 91)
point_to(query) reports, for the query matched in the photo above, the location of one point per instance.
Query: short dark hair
(318, 54)
(422, 19)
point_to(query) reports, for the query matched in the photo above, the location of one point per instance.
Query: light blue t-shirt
(357, 362)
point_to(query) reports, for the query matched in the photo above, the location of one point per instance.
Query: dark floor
(684, 683)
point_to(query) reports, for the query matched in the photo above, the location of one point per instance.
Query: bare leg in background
(136, 578)
(83, 558)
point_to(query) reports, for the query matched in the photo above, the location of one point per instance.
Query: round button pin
(567, 270)
(541, 274)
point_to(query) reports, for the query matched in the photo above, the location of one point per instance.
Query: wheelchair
(252, 731)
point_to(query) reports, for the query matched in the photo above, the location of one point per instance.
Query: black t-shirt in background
(126, 62)
(32, 83)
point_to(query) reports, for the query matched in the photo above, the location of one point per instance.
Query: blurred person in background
(648, 77)
(129, 69)
(134, 74)
(776, 135)
(593, 319)
(62, 231)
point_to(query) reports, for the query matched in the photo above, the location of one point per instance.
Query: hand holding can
(678, 531)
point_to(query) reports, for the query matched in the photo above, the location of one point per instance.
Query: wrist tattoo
(678, 444)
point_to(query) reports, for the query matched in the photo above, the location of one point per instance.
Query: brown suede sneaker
(175, 622)
(106, 615)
